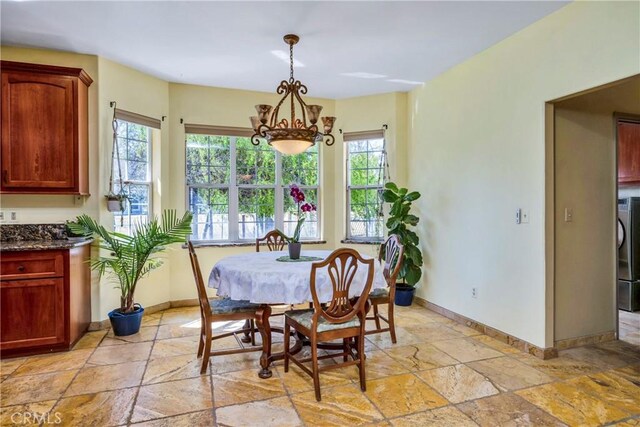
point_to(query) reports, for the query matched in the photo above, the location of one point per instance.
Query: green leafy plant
(133, 257)
(400, 219)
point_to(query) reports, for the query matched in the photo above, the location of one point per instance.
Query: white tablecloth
(259, 278)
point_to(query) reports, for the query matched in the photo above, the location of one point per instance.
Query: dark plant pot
(404, 295)
(124, 324)
(294, 250)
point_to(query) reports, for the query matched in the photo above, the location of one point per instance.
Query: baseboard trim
(105, 324)
(522, 345)
(184, 303)
(586, 340)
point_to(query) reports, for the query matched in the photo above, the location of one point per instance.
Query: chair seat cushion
(228, 306)
(379, 293)
(304, 317)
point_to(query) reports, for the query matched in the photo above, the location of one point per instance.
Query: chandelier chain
(291, 62)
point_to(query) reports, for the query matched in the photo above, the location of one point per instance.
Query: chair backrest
(203, 299)
(391, 252)
(342, 265)
(275, 241)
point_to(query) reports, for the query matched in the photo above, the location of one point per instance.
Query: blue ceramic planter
(404, 295)
(124, 324)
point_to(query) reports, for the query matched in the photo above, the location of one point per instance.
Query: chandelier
(294, 136)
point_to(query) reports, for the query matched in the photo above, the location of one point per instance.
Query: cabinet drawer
(31, 265)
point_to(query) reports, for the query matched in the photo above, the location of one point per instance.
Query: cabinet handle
(21, 268)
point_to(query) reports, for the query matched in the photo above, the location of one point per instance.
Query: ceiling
(347, 48)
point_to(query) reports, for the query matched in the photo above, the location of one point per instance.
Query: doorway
(585, 213)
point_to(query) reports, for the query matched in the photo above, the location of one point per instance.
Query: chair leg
(201, 343)
(345, 348)
(363, 381)
(252, 324)
(287, 336)
(207, 351)
(202, 335)
(392, 322)
(376, 316)
(247, 335)
(316, 375)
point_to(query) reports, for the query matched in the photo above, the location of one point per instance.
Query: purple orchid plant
(303, 207)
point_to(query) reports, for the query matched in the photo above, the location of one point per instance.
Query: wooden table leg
(264, 312)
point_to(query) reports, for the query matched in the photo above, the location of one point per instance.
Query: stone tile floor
(439, 373)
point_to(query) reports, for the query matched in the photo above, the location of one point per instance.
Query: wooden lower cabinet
(45, 300)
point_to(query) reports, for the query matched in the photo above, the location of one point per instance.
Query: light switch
(568, 215)
(524, 216)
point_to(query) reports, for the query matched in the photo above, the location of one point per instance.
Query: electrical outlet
(1, 216)
(13, 216)
(474, 292)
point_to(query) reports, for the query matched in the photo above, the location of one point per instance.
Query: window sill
(361, 242)
(244, 244)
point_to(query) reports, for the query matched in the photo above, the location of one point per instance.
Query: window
(365, 180)
(238, 191)
(134, 157)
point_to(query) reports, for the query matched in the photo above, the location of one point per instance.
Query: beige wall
(139, 93)
(585, 181)
(476, 151)
(585, 248)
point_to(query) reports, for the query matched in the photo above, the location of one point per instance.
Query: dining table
(272, 278)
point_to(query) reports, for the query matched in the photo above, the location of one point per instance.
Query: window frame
(233, 193)
(348, 188)
(127, 183)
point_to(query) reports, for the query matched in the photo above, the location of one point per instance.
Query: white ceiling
(347, 48)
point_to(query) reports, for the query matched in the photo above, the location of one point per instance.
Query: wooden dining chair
(342, 317)
(221, 310)
(275, 241)
(391, 252)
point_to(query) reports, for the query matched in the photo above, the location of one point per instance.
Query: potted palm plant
(400, 219)
(299, 199)
(132, 257)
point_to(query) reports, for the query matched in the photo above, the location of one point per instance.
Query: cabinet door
(32, 313)
(628, 151)
(38, 132)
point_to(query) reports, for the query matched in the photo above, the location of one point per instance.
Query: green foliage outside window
(208, 163)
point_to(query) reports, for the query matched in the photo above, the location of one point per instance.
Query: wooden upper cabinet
(628, 133)
(44, 129)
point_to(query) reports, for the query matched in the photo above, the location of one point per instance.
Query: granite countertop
(43, 245)
(38, 237)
